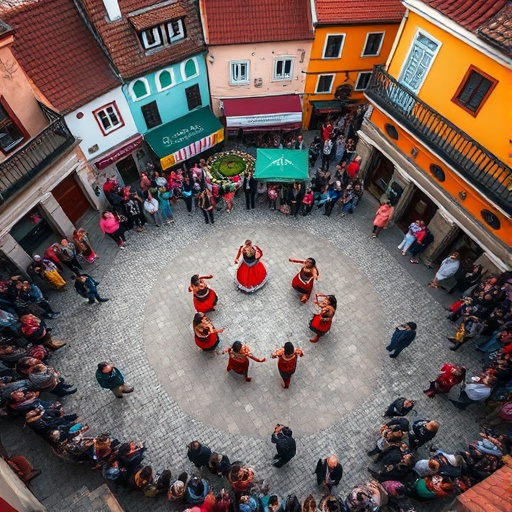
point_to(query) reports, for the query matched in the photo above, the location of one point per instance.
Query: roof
(50, 40)
(470, 14)
(256, 21)
(354, 11)
(498, 30)
(121, 40)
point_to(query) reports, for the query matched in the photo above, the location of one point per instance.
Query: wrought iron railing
(35, 155)
(481, 168)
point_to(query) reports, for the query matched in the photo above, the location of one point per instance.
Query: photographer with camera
(285, 445)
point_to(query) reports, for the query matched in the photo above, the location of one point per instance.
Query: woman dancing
(205, 298)
(303, 281)
(251, 274)
(287, 361)
(205, 335)
(321, 322)
(239, 356)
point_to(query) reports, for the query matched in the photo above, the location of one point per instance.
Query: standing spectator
(110, 377)
(340, 148)
(219, 464)
(410, 236)
(285, 445)
(307, 202)
(402, 337)
(151, 206)
(382, 218)
(250, 187)
(326, 153)
(205, 202)
(86, 286)
(199, 454)
(420, 245)
(422, 432)
(295, 196)
(326, 131)
(133, 209)
(187, 192)
(45, 378)
(400, 407)
(47, 271)
(448, 269)
(51, 254)
(32, 294)
(164, 196)
(353, 168)
(328, 472)
(111, 226)
(67, 254)
(84, 245)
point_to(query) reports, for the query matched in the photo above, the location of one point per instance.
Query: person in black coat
(199, 454)
(328, 472)
(285, 445)
(250, 187)
(402, 337)
(422, 432)
(400, 407)
(219, 464)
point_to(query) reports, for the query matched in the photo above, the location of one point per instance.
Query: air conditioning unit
(258, 82)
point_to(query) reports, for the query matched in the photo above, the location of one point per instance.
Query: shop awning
(278, 165)
(327, 106)
(119, 151)
(264, 113)
(185, 137)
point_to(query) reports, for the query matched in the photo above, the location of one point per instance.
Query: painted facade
(432, 125)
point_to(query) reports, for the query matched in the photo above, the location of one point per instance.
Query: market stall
(282, 165)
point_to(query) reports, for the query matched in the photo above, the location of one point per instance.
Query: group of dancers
(252, 275)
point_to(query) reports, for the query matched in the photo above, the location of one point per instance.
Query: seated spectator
(45, 378)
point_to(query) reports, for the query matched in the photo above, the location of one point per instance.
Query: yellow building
(350, 38)
(437, 141)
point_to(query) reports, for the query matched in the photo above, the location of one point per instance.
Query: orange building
(437, 141)
(350, 38)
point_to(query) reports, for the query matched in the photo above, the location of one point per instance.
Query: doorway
(71, 199)
(380, 172)
(128, 170)
(420, 207)
(32, 231)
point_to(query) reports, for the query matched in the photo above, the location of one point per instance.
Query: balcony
(36, 155)
(482, 169)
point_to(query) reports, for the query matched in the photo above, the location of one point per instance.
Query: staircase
(99, 500)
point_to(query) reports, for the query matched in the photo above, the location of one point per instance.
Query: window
(239, 72)
(152, 38)
(283, 69)
(324, 84)
(474, 90)
(175, 30)
(151, 115)
(108, 118)
(11, 132)
(362, 80)
(139, 89)
(165, 79)
(373, 44)
(190, 69)
(333, 46)
(193, 97)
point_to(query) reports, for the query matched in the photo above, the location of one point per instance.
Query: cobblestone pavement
(338, 394)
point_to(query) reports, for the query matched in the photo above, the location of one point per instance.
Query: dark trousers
(73, 265)
(188, 202)
(376, 230)
(61, 389)
(208, 216)
(281, 461)
(249, 199)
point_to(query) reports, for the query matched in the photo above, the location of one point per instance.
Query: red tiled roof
(156, 16)
(256, 21)
(122, 43)
(498, 30)
(470, 14)
(357, 11)
(58, 53)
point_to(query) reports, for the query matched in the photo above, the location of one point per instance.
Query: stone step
(98, 500)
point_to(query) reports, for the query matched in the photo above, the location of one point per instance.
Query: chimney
(113, 11)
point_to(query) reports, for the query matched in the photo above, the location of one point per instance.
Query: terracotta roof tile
(498, 30)
(156, 16)
(59, 54)
(470, 14)
(122, 43)
(254, 21)
(354, 11)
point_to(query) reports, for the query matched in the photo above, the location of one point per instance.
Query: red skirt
(319, 326)
(302, 287)
(250, 278)
(206, 302)
(240, 366)
(209, 343)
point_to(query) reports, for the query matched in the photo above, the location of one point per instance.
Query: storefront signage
(264, 120)
(119, 153)
(183, 135)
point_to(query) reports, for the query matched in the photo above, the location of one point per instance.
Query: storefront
(186, 137)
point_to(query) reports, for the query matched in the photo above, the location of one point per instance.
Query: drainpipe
(397, 38)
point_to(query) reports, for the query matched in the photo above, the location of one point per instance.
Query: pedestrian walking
(382, 218)
(402, 337)
(66, 252)
(110, 377)
(86, 287)
(285, 445)
(328, 473)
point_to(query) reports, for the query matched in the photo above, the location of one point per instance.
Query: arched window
(139, 89)
(190, 69)
(165, 79)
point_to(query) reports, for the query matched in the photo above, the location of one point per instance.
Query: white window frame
(168, 28)
(332, 75)
(159, 88)
(184, 77)
(283, 78)
(366, 42)
(113, 127)
(341, 47)
(132, 93)
(359, 77)
(233, 63)
(155, 30)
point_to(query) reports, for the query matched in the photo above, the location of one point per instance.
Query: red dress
(303, 284)
(251, 274)
(205, 300)
(239, 362)
(208, 342)
(320, 325)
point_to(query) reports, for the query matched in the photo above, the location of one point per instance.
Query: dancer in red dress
(239, 356)
(205, 298)
(251, 274)
(303, 281)
(287, 361)
(321, 322)
(205, 335)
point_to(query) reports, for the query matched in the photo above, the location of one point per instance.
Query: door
(71, 198)
(379, 175)
(420, 207)
(128, 170)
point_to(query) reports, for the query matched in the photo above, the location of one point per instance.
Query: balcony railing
(486, 172)
(34, 156)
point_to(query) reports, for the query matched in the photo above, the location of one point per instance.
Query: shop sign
(183, 136)
(119, 153)
(264, 120)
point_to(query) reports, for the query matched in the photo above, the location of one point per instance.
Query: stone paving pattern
(338, 394)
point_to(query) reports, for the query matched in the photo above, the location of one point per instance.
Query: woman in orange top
(303, 281)
(205, 335)
(321, 322)
(205, 298)
(287, 361)
(239, 356)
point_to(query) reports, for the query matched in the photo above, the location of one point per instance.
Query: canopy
(185, 137)
(288, 165)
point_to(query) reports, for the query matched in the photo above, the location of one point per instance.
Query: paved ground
(342, 385)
